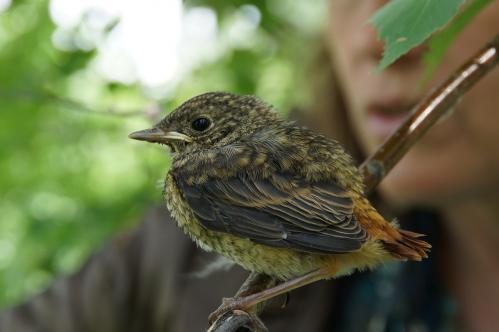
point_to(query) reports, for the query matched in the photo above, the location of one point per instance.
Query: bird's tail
(399, 243)
(407, 245)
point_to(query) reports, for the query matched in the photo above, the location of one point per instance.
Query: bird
(272, 196)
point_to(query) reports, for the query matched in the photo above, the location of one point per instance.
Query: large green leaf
(404, 24)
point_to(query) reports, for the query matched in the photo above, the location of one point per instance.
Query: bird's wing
(280, 211)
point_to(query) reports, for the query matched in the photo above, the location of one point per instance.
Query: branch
(427, 112)
(375, 168)
(150, 111)
(232, 321)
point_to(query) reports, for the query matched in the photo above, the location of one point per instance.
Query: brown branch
(376, 167)
(427, 112)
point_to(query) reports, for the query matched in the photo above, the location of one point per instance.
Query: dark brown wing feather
(280, 212)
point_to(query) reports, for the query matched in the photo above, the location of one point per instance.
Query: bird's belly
(279, 262)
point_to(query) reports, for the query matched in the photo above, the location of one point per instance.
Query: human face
(459, 157)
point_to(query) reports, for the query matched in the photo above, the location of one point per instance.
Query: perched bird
(270, 195)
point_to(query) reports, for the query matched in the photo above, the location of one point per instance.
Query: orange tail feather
(400, 243)
(407, 246)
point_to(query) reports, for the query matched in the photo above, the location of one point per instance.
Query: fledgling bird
(272, 196)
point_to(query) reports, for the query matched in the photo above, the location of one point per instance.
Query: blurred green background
(77, 76)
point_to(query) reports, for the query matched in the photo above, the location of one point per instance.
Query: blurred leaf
(69, 62)
(404, 24)
(62, 187)
(442, 40)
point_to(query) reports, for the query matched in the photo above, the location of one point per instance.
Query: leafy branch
(375, 168)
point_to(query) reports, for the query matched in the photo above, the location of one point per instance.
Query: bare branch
(376, 167)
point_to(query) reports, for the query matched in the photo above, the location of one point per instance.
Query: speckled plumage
(270, 195)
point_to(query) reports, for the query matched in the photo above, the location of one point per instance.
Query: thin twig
(150, 111)
(376, 167)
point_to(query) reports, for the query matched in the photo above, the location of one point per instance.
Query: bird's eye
(200, 124)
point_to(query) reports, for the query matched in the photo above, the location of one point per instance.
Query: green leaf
(404, 24)
(441, 41)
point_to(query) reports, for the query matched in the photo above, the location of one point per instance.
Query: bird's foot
(236, 319)
(229, 304)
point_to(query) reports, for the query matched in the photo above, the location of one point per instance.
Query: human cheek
(348, 40)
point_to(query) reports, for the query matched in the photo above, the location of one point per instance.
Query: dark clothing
(407, 296)
(143, 281)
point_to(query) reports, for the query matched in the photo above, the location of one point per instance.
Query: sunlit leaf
(404, 24)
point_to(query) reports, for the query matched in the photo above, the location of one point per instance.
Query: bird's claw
(235, 306)
(228, 304)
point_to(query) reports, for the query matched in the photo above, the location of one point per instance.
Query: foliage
(62, 193)
(404, 24)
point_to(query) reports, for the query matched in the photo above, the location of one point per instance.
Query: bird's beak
(156, 135)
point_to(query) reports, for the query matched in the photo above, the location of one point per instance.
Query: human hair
(326, 110)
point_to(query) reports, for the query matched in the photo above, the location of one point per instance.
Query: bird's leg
(246, 302)
(256, 282)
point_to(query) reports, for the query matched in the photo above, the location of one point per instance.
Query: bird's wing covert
(280, 211)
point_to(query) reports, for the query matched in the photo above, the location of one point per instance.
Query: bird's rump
(278, 211)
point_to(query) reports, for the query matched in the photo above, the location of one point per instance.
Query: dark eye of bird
(200, 124)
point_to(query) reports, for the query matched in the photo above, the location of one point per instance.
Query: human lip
(384, 118)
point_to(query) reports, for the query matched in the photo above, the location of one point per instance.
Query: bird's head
(209, 120)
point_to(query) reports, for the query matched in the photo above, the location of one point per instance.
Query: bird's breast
(183, 215)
